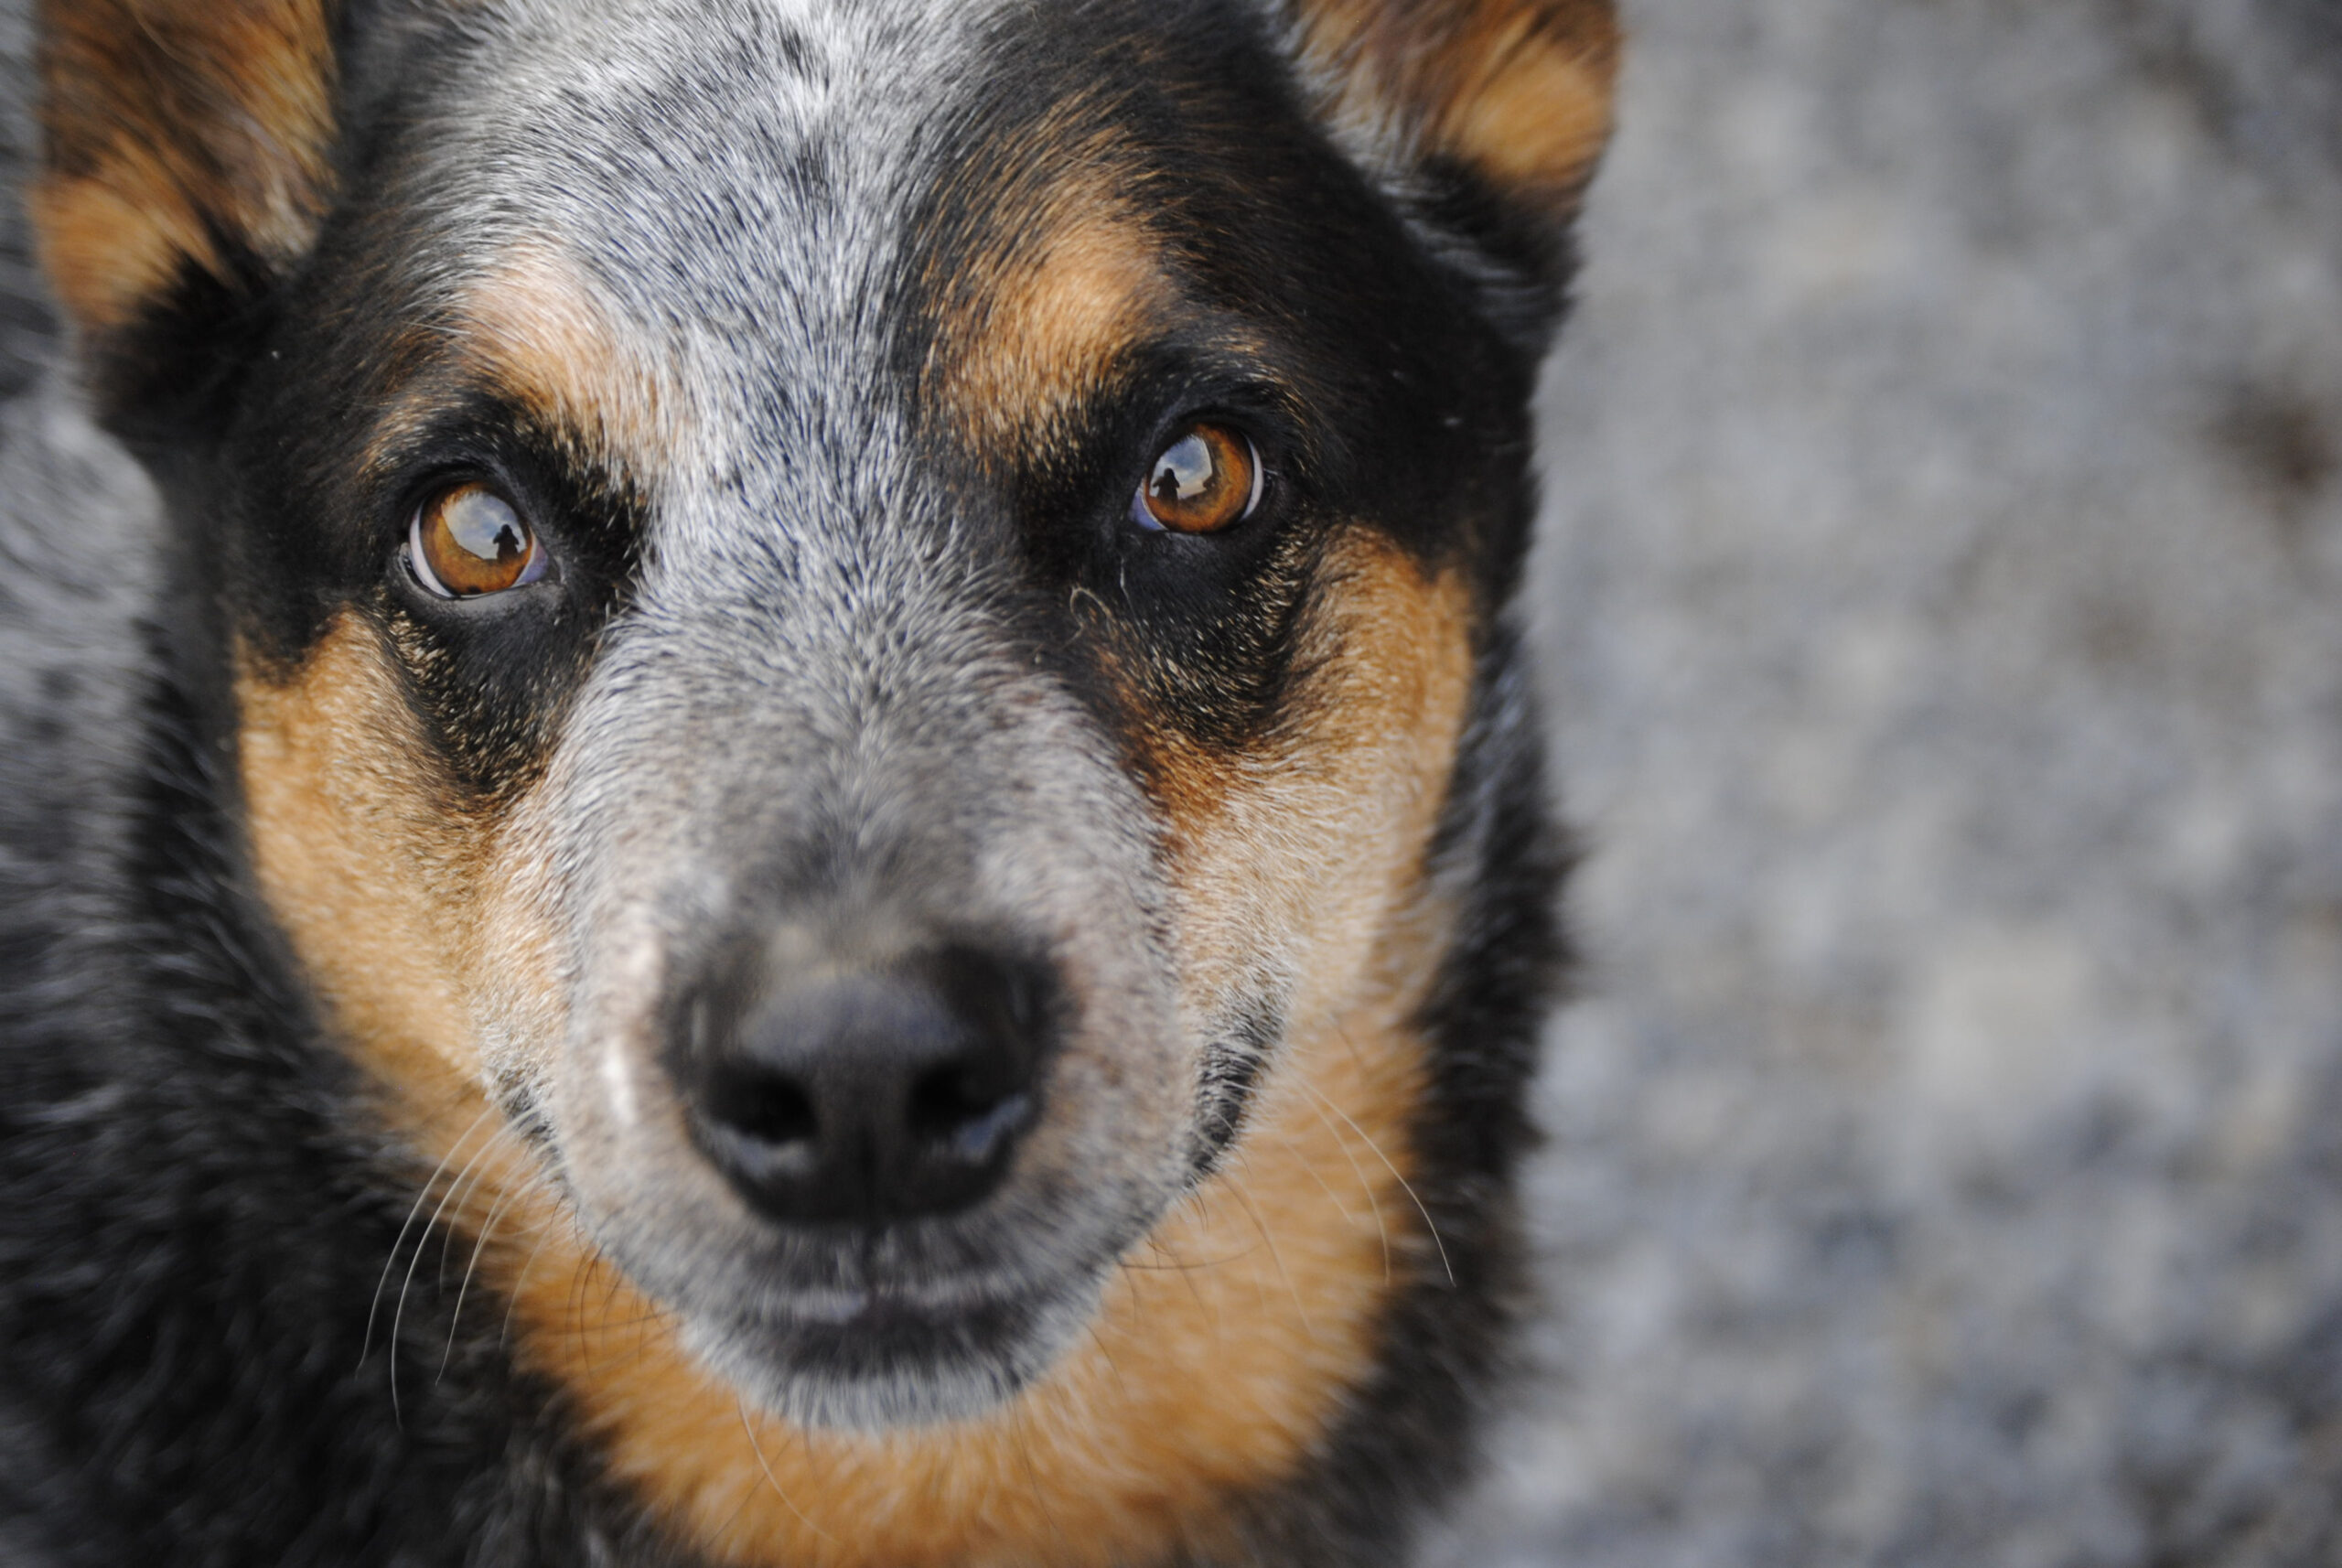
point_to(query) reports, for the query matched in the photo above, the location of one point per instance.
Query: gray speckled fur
(822, 700)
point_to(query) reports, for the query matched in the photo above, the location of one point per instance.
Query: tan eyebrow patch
(538, 332)
(1030, 326)
(533, 329)
(1055, 328)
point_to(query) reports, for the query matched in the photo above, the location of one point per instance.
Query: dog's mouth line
(939, 1301)
(934, 1296)
(883, 1308)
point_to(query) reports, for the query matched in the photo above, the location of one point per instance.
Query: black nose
(865, 1094)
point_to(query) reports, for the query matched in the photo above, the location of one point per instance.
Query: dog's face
(856, 616)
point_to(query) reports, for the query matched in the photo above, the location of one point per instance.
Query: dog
(798, 823)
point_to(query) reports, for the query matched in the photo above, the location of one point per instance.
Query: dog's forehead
(738, 166)
(753, 72)
(745, 164)
(764, 202)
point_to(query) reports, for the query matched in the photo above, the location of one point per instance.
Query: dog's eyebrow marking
(543, 335)
(1055, 328)
(1024, 334)
(529, 328)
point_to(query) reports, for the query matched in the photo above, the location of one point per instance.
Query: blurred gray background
(1942, 594)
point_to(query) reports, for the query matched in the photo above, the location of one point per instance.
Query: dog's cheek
(1305, 866)
(412, 911)
(1295, 865)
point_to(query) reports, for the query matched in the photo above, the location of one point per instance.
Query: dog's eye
(468, 541)
(1206, 480)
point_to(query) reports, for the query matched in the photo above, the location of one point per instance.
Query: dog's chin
(872, 1362)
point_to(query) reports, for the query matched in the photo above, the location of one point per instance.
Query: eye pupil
(1202, 482)
(470, 541)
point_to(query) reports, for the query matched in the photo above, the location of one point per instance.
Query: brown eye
(1201, 483)
(469, 540)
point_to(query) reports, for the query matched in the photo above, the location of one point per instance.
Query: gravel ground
(1941, 592)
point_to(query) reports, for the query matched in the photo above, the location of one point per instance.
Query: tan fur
(1225, 1345)
(531, 329)
(1519, 89)
(1216, 1361)
(1022, 333)
(1299, 857)
(166, 119)
(1055, 320)
(538, 331)
(409, 907)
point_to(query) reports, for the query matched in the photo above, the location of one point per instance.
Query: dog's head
(856, 616)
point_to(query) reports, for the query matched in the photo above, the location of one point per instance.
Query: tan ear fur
(1517, 91)
(177, 132)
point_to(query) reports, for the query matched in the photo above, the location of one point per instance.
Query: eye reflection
(468, 541)
(1206, 480)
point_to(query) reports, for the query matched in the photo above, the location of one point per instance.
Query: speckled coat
(361, 1202)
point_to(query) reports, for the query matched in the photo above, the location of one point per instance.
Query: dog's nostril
(767, 1106)
(866, 1095)
(957, 1114)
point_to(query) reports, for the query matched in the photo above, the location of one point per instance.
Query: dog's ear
(187, 162)
(1492, 112)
